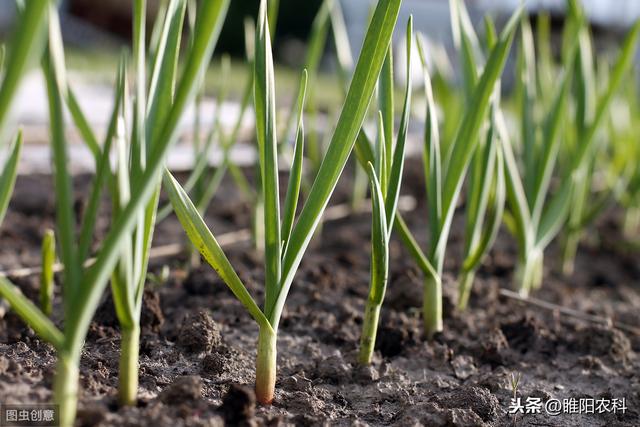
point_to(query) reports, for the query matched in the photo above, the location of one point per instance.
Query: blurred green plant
(486, 192)
(83, 285)
(48, 255)
(538, 212)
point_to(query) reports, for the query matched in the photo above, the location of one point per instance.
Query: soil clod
(213, 364)
(463, 366)
(333, 369)
(183, 389)
(603, 341)
(366, 374)
(199, 333)
(151, 316)
(494, 347)
(238, 406)
(392, 340)
(460, 378)
(525, 334)
(478, 399)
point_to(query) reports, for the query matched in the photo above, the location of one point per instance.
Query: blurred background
(87, 23)
(95, 32)
(107, 23)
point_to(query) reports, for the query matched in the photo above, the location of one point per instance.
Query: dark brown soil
(198, 344)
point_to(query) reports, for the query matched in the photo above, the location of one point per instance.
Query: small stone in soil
(239, 405)
(183, 389)
(199, 333)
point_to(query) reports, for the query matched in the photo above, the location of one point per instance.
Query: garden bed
(198, 344)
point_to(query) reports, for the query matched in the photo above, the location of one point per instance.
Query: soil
(198, 344)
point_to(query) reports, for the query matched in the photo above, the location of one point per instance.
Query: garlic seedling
(286, 240)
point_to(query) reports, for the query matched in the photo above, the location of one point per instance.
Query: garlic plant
(284, 241)
(82, 284)
(538, 212)
(385, 181)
